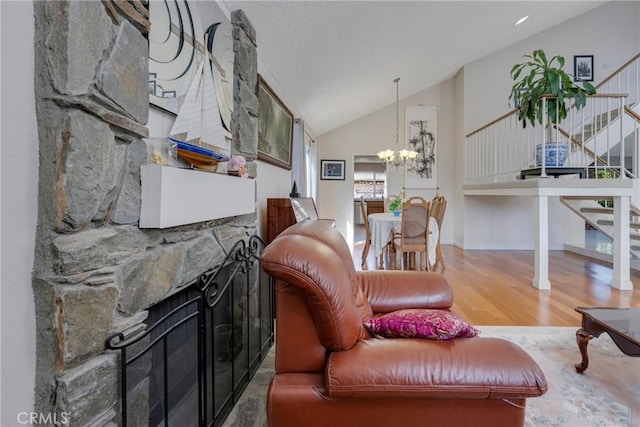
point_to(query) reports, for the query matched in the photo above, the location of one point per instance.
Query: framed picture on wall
(421, 132)
(583, 68)
(275, 127)
(332, 169)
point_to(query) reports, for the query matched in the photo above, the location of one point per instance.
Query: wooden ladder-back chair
(367, 231)
(414, 232)
(438, 208)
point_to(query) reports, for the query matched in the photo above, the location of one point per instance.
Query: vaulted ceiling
(335, 61)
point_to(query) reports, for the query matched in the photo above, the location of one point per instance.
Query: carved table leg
(582, 338)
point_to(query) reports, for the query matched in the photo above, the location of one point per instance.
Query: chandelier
(397, 157)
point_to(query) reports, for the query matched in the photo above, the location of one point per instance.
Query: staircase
(604, 134)
(601, 218)
(595, 142)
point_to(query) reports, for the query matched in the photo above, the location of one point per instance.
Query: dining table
(382, 227)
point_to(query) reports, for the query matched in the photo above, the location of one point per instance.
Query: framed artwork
(183, 34)
(275, 127)
(583, 68)
(332, 170)
(421, 123)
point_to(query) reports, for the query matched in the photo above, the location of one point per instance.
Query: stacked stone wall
(95, 270)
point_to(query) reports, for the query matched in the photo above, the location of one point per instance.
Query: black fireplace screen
(201, 347)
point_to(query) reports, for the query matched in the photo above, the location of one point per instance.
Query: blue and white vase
(555, 154)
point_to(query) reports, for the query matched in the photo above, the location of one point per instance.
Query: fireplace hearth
(200, 346)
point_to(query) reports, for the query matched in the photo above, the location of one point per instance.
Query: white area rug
(606, 395)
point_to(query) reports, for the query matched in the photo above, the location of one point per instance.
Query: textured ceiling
(335, 61)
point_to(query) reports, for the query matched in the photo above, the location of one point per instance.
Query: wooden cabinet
(283, 213)
(279, 217)
(375, 206)
(372, 206)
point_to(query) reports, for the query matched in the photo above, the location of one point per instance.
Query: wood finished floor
(494, 287)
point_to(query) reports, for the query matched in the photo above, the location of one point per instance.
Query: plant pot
(396, 213)
(555, 154)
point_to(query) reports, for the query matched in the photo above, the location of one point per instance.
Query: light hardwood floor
(494, 287)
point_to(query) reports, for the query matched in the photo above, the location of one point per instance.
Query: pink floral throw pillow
(420, 323)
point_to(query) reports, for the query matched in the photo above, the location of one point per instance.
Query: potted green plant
(544, 81)
(396, 203)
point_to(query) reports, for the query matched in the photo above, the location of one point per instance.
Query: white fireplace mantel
(173, 196)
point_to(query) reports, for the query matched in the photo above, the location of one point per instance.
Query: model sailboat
(198, 130)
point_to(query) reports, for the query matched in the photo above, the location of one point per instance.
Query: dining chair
(367, 231)
(438, 208)
(414, 233)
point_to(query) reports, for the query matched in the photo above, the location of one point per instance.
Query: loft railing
(608, 125)
(625, 79)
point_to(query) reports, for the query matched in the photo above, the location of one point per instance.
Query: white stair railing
(500, 150)
(625, 79)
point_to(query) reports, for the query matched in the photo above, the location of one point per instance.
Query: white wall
(375, 132)
(611, 33)
(508, 223)
(19, 183)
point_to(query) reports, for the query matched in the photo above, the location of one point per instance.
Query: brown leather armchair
(331, 372)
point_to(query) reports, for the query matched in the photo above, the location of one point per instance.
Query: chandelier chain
(397, 157)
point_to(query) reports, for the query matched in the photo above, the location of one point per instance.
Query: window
(370, 185)
(309, 166)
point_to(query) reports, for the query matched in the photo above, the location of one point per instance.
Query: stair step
(602, 210)
(633, 225)
(597, 124)
(587, 197)
(597, 210)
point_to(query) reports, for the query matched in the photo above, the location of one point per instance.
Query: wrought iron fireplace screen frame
(243, 257)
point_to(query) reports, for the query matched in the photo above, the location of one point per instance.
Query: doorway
(370, 184)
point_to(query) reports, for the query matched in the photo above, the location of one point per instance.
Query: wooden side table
(621, 324)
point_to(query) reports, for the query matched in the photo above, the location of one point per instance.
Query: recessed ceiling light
(521, 20)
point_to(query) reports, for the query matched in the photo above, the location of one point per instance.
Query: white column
(621, 244)
(541, 278)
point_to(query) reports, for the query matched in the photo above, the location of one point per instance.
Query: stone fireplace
(201, 346)
(96, 272)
